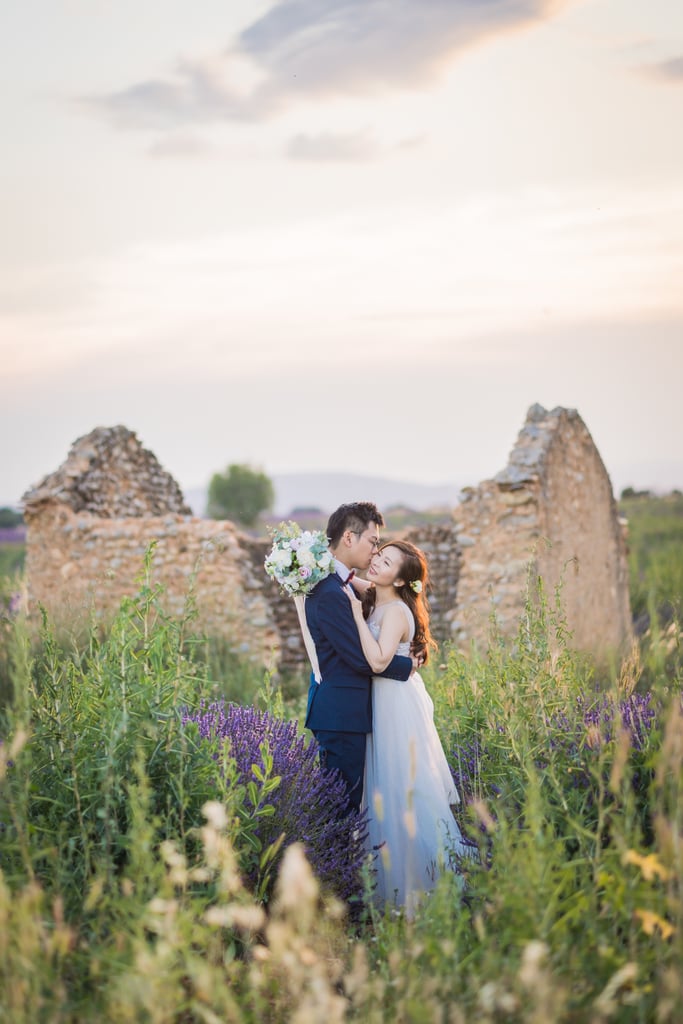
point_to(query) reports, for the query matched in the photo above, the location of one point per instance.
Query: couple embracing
(370, 712)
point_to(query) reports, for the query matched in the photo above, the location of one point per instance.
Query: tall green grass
(123, 843)
(577, 914)
(12, 559)
(655, 539)
(121, 895)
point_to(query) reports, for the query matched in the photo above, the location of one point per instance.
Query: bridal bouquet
(298, 559)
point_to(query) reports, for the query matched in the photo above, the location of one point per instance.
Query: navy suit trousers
(345, 752)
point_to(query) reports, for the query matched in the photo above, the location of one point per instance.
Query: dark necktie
(349, 577)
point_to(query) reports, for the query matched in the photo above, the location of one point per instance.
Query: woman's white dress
(409, 789)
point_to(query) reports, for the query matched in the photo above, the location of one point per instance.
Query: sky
(349, 235)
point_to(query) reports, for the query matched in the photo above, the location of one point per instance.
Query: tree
(8, 517)
(240, 494)
(631, 492)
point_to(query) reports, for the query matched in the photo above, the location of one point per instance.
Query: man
(340, 706)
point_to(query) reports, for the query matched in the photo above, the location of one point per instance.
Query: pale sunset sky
(347, 235)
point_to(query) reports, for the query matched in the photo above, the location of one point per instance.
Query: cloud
(180, 147)
(667, 70)
(329, 147)
(196, 92)
(302, 49)
(356, 147)
(370, 45)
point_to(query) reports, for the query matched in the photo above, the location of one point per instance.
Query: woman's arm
(378, 652)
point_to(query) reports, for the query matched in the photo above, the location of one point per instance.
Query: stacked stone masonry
(90, 524)
(550, 514)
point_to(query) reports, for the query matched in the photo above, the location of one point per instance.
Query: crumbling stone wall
(90, 523)
(550, 510)
(108, 474)
(444, 558)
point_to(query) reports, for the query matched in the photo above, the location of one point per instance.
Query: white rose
(306, 558)
(280, 560)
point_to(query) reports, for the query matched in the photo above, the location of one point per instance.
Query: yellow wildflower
(652, 922)
(650, 865)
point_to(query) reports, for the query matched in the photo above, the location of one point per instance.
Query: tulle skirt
(409, 792)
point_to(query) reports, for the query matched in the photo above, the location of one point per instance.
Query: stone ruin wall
(550, 510)
(90, 523)
(445, 559)
(85, 565)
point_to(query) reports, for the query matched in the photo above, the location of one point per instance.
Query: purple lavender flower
(309, 803)
(589, 726)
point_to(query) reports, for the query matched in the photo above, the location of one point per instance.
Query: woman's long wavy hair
(413, 568)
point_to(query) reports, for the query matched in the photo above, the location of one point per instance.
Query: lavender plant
(576, 735)
(280, 772)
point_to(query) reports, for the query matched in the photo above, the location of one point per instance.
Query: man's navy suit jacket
(342, 701)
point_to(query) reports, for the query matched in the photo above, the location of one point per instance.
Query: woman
(409, 790)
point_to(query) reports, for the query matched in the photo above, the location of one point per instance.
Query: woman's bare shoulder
(397, 614)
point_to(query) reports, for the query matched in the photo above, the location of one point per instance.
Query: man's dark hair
(356, 516)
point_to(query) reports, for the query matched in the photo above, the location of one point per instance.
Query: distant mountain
(328, 490)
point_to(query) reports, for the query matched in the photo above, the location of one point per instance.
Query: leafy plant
(92, 713)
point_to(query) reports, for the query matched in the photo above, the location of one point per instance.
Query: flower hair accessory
(416, 586)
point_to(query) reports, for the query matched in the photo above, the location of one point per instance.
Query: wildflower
(214, 812)
(246, 918)
(534, 957)
(409, 822)
(606, 1003)
(593, 737)
(297, 886)
(652, 923)
(484, 815)
(650, 866)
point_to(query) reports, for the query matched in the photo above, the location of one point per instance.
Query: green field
(152, 872)
(655, 537)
